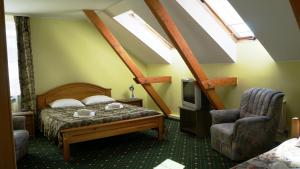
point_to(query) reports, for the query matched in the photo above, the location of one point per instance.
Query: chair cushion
(222, 132)
(21, 138)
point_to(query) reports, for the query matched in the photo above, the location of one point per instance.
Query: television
(191, 94)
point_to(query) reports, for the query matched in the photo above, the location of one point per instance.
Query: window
(223, 11)
(138, 27)
(209, 25)
(12, 55)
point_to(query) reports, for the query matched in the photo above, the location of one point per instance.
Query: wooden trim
(113, 42)
(217, 17)
(85, 133)
(7, 148)
(296, 8)
(77, 91)
(212, 83)
(160, 127)
(124, 56)
(148, 80)
(186, 53)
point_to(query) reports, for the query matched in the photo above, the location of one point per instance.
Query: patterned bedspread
(55, 119)
(284, 156)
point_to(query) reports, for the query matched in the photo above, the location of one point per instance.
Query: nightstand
(29, 121)
(132, 101)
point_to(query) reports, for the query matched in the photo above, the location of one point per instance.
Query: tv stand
(196, 121)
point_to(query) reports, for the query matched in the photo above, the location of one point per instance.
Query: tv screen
(188, 92)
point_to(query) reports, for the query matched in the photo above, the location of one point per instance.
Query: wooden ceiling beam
(186, 53)
(213, 83)
(148, 80)
(7, 147)
(296, 8)
(124, 56)
(114, 43)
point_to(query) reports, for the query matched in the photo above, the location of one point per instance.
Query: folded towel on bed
(84, 113)
(113, 106)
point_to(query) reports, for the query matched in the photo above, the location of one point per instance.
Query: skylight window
(230, 18)
(138, 27)
(208, 24)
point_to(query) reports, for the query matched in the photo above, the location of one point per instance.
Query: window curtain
(26, 74)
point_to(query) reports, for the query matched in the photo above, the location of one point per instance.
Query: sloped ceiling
(201, 43)
(203, 46)
(132, 44)
(274, 24)
(54, 8)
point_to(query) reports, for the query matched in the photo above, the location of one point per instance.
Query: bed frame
(80, 134)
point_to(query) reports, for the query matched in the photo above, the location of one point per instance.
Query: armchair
(21, 136)
(250, 130)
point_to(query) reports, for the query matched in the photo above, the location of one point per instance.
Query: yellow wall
(66, 51)
(72, 50)
(254, 68)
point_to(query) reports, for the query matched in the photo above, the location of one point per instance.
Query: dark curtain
(26, 74)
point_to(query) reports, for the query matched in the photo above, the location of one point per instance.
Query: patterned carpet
(132, 151)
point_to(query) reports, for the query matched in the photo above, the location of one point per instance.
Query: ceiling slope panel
(204, 47)
(274, 24)
(202, 44)
(131, 43)
(55, 7)
(127, 39)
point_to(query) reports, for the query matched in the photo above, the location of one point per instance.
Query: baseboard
(174, 116)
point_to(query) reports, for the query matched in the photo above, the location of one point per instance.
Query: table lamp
(295, 128)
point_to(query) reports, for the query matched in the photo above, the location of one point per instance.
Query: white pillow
(97, 99)
(61, 103)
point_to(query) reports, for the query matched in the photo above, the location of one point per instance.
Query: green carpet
(132, 151)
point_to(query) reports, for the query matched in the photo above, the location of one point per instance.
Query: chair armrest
(19, 122)
(251, 136)
(250, 126)
(224, 116)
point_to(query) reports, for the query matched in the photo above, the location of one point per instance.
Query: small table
(132, 101)
(29, 123)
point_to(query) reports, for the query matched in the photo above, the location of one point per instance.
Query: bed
(284, 156)
(100, 126)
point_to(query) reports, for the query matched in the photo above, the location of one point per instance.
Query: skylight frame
(226, 26)
(145, 33)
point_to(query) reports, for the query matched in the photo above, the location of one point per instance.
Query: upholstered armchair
(21, 136)
(250, 130)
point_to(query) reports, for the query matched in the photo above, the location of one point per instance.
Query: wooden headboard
(77, 91)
